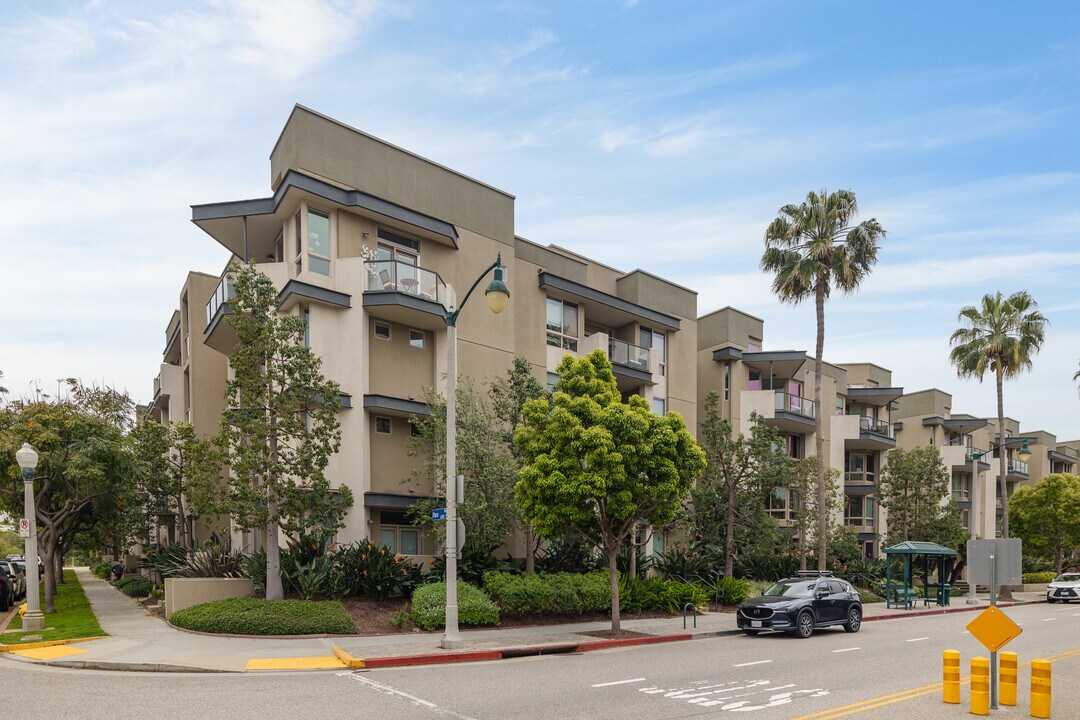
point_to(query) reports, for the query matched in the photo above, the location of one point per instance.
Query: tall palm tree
(813, 248)
(1002, 335)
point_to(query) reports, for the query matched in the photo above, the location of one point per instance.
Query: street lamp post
(497, 295)
(28, 460)
(1024, 454)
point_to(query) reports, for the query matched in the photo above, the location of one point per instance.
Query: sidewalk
(141, 641)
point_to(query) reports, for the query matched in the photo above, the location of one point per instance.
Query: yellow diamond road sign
(993, 629)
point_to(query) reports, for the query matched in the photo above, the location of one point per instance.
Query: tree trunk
(530, 556)
(613, 571)
(1005, 592)
(819, 440)
(802, 548)
(50, 577)
(632, 564)
(181, 522)
(729, 533)
(274, 589)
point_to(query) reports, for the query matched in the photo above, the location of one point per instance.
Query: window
(306, 313)
(755, 380)
(382, 330)
(298, 233)
(753, 346)
(562, 324)
(552, 378)
(659, 405)
(860, 467)
(416, 339)
(781, 503)
(868, 549)
(794, 446)
(396, 533)
(727, 380)
(414, 429)
(318, 242)
(398, 258)
(655, 341)
(961, 486)
(383, 425)
(859, 510)
(839, 404)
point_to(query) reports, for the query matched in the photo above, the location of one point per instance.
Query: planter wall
(182, 593)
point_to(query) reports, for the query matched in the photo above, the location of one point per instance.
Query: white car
(1065, 588)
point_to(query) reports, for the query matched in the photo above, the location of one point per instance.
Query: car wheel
(1050, 600)
(804, 626)
(854, 620)
(5, 601)
(751, 632)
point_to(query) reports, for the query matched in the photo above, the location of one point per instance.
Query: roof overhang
(961, 426)
(875, 396)
(390, 501)
(297, 291)
(782, 364)
(264, 217)
(1060, 456)
(396, 407)
(605, 308)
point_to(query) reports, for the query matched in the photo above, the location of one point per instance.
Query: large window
(396, 533)
(318, 229)
(656, 341)
(781, 503)
(562, 324)
(961, 486)
(659, 405)
(860, 467)
(859, 510)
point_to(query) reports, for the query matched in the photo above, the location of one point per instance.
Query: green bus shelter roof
(913, 547)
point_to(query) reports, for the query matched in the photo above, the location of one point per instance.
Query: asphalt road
(890, 669)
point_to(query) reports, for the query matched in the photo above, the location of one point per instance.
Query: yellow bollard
(951, 674)
(1040, 688)
(980, 686)
(1007, 685)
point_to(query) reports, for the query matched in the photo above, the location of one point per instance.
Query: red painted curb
(433, 658)
(628, 642)
(943, 611)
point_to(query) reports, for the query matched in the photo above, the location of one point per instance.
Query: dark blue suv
(799, 605)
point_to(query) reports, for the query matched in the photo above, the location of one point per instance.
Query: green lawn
(73, 617)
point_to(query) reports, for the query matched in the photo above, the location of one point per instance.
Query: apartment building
(190, 385)
(858, 401)
(372, 245)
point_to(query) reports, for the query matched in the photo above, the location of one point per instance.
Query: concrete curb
(131, 667)
(47, 643)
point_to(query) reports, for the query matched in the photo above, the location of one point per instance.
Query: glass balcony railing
(223, 293)
(972, 451)
(402, 277)
(857, 477)
(786, 402)
(1016, 466)
(878, 427)
(629, 355)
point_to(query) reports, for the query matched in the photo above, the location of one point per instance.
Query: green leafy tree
(281, 426)
(1001, 336)
(914, 487)
(487, 510)
(726, 503)
(806, 518)
(1046, 516)
(83, 459)
(600, 467)
(811, 249)
(508, 397)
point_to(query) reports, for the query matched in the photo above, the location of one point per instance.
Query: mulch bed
(612, 635)
(374, 617)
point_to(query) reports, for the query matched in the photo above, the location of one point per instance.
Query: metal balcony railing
(629, 355)
(878, 427)
(1017, 466)
(981, 454)
(223, 293)
(786, 402)
(403, 277)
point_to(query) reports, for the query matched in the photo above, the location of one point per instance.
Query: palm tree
(1002, 335)
(812, 248)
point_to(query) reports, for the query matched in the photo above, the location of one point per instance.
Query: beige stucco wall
(181, 593)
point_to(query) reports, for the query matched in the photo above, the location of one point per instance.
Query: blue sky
(661, 135)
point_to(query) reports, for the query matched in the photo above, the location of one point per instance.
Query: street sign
(24, 528)
(993, 629)
(1007, 566)
(438, 514)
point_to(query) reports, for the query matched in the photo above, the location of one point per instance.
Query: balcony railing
(878, 427)
(858, 477)
(629, 355)
(405, 278)
(223, 293)
(786, 402)
(970, 451)
(1015, 466)
(157, 386)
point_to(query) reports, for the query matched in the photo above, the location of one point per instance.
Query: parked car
(7, 592)
(17, 576)
(1065, 588)
(799, 605)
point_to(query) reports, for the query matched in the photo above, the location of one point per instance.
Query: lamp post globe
(27, 458)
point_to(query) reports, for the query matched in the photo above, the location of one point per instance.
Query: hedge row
(474, 607)
(1036, 578)
(254, 616)
(549, 594)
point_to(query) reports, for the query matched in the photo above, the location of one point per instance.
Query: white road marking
(411, 698)
(1048, 619)
(756, 662)
(618, 682)
(847, 649)
(1076, 614)
(917, 639)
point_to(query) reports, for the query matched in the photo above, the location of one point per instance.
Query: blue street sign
(438, 514)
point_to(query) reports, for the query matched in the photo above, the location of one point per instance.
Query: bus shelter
(902, 592)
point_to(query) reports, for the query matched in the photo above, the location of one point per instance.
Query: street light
(1023, 454)
(28, 460)
(497, 295)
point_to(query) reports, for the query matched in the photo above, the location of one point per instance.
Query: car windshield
(1068, 577)
(791, 588)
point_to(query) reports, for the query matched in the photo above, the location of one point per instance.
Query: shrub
(213, 559)
(549, 593)
(766, 567)
(568, 553)
(101, 569)
(254, 616)
(374, 570)
(728, 591)
(683, 562)
(652, 594)
(135, 586)
(474, 607)
(678, 594)
(474, 564)
(1037, 578)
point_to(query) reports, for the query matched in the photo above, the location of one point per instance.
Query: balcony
(218, 334)
(794, 404)
(875, 427)
(858, 477)
(405, 293)
(628, 355)
(860, 432)
(1016, 469)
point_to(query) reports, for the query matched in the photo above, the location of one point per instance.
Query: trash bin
(947, 594)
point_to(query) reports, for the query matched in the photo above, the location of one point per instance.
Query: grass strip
(73, 617)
